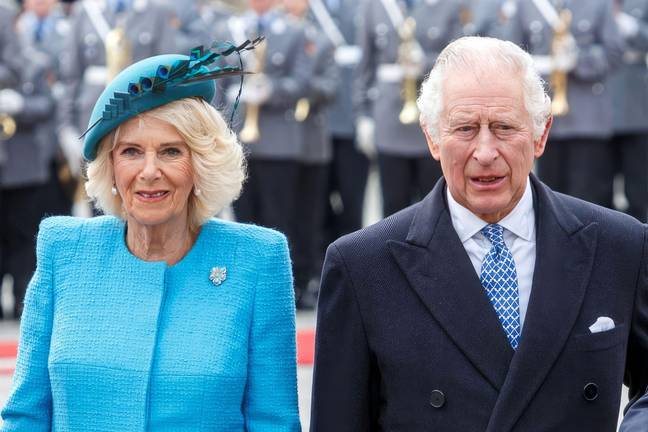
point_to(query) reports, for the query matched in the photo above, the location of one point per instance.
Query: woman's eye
(172, 151)
(130, 151)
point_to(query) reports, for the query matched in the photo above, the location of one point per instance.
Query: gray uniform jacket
(347, 19)
(600, 45)
(378, 94)
(28, 152)
(48, 50)
(322, 88)
(286, 67)
(192, 29)
(149, 30)
(7, 38)
(629, 83)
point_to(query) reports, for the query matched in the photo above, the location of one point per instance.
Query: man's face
(261, 6)
(41, 8)
(486, 146)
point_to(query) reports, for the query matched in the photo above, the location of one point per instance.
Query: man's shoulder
(374, 238)
(612, 221)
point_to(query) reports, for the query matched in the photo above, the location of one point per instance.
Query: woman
(158, 317)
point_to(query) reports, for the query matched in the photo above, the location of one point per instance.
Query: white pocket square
(602, 324)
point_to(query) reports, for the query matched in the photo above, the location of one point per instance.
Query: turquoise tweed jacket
(112, 343)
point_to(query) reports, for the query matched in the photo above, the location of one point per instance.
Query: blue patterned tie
(499, 279)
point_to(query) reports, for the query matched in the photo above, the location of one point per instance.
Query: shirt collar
(521, 221)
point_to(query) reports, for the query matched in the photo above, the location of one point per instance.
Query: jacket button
(437, 399)
(590, 391)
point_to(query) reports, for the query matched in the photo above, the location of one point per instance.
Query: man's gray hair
(478, 54)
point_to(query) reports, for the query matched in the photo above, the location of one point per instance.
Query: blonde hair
(216, 157)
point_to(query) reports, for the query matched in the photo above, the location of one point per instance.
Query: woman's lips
(152, 196)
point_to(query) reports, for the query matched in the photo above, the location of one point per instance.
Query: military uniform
(46, 36)
(349, 167)
(629, 88)
(406, 169)
(192, 29)
(269, 197)
(577, 159)
(26, 171)
(314, 160)
(149, 29)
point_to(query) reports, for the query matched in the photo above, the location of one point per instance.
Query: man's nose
(486, 150)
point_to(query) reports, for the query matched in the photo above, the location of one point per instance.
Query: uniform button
(590, 391)
(437, 399)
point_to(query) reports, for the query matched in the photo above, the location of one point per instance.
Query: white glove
(413, 62)
(628, 25)
(565, 56)
(72, 148)
(11, 102)
(365, 132)
(257, 89)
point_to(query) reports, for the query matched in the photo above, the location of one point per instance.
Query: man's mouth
(486, 180)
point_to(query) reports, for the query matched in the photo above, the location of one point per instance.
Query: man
(399, 41)
(269, 100)
(629, 88)
(349, 167)
(576, 61)
(495, 304)
(28, 150)
(312, 178)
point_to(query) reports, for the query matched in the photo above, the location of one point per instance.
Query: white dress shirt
(519, 236)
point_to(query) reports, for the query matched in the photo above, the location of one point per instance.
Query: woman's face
(153, 172)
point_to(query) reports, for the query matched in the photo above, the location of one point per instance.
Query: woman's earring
(197, 191)
(113, 190)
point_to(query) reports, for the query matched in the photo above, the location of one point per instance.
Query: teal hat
(156, 81)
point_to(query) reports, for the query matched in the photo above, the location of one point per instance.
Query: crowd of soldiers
(334, 91)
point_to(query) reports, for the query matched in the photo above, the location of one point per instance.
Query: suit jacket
(110, 342)
(407, 340)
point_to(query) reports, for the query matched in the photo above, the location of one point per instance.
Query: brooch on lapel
(218, 275)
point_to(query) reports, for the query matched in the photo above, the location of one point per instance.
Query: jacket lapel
(565, 251)
(438, 269)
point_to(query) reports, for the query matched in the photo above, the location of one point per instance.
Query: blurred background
(328, 120)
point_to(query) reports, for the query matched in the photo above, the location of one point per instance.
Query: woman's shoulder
(69, 228)
(246, 234)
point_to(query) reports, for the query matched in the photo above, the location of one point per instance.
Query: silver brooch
(218, 275)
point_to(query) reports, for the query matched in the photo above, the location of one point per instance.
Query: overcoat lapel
(565, 250)
(438, 269)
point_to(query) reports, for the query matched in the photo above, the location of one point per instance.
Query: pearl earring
(113, 190)
(197, 191)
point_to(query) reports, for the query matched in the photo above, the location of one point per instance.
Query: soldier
(42, 29)
(400, 40)
(339, 20)
(315, 157)
(192, 28)
(491, 16)
(133, 30)
(575, 43)
(266, 120)
(629, 88)
(28, 104)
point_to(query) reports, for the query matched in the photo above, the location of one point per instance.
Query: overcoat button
(437, 399)
(590, 391)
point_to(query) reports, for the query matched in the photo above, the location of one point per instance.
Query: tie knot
(494, 233)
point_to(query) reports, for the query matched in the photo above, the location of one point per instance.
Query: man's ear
(541, 143)
(432, 145)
